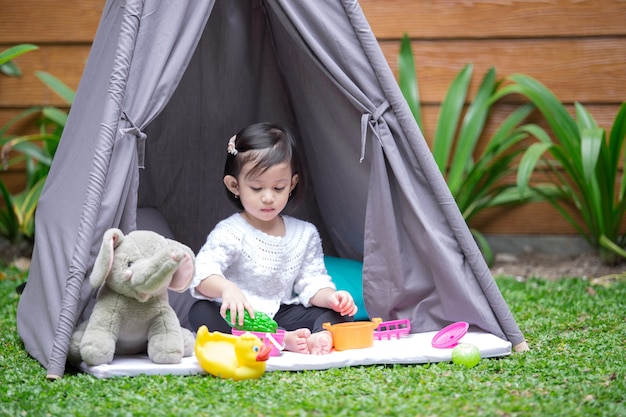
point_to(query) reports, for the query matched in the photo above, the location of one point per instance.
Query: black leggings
(289, 317)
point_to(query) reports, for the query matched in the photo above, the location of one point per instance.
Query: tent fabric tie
(371, 119)
(141, 139)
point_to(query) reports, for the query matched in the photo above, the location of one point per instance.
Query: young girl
(260, 260)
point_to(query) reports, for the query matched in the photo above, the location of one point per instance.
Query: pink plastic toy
(449, 336)
(395, 328)
(273, 340)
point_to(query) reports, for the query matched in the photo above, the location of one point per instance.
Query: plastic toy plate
(450, 335)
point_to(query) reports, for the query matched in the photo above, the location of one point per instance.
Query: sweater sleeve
(313, 275)
(215, 256)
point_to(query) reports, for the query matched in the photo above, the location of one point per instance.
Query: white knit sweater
(270, 270)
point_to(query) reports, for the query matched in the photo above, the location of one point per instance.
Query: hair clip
(231, 145)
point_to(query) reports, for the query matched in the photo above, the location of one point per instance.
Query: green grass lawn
(576, 367)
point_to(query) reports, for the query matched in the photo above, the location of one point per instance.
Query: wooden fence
(577, 48)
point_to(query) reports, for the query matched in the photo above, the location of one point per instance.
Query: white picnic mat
(412, 349)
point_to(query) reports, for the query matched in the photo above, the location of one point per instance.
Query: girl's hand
(342, 302)
(234, 300)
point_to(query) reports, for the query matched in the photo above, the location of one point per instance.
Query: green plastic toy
(261, 322)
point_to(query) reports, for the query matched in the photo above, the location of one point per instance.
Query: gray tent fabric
(167, 83)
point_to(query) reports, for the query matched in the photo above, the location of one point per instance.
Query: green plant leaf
(529, 162)
(616, 143)
(584, 119)
(560, 121)
(562, 158)
(10, 69)
(449, 115)
(559, 197)
(591, 141)
(407, 79)
(612, 246)
(618, 216)
(537, 131)
(472, 127)
(57, 86)
(15, 51)
(25, 210)
(57, 116)
(506, 134)
(484, 246)
(483, 183)
(512, 195)
(15, 119)
(9, 225)
(32, 150)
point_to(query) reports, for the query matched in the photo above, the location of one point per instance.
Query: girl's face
(264, 196)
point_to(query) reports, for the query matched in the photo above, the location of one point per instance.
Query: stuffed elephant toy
(132, 314)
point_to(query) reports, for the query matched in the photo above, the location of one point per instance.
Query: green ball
(466, 354)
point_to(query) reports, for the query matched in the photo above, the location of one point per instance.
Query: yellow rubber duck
(231, 357)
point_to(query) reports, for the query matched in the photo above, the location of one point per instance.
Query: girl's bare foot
(320, 343)
(296, 340)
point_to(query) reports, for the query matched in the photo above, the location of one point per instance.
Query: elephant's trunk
(153, 275)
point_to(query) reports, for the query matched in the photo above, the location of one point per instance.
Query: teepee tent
(167, 83)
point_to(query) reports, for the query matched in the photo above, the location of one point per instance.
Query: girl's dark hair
(264, 144)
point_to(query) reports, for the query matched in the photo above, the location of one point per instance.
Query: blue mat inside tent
(347, 275)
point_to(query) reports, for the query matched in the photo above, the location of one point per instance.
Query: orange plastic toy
(231, 357)
(353, 335)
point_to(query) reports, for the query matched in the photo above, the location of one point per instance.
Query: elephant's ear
(186, 269)
(104, 261)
